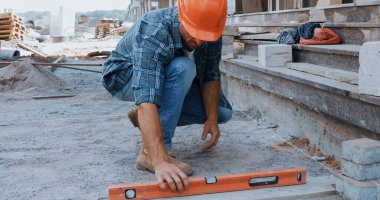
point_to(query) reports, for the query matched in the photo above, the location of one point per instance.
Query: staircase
(317, 96)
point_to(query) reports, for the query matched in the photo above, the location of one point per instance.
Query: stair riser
(338, 61)
(358, 35)
(249, 49)
(349, 35)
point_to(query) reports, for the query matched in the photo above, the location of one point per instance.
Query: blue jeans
(182, 102)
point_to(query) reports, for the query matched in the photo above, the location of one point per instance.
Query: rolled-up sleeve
(214, 53)
(151, 54)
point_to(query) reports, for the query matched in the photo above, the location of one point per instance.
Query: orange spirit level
(208, 185)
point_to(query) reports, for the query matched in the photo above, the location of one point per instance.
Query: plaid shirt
(149, 46)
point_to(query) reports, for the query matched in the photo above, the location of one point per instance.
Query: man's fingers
(204, 133)
(170, 182)
(183, 176)
(177, 181)
(161, 183)
(213, 141)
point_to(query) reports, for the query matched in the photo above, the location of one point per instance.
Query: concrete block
(323, 3)
(275, 55)
(361, 172)
(369, 70)
(362, 151)
(357, 190)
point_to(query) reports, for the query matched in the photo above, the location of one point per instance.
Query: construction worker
(168, 64)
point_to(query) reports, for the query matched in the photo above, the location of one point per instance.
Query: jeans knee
(225, 115)
(183, 67)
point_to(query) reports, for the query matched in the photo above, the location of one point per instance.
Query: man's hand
(211, 127)
(151, 132)
(167, 172)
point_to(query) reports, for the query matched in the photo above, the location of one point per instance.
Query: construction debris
(104, 28)
(11, 27)
(35, 51)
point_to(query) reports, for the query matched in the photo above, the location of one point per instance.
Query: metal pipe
(9, 53)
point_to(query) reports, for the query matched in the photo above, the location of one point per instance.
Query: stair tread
(328, 72)
(343, 49)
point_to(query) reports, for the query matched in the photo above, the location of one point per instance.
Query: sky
(20, 6)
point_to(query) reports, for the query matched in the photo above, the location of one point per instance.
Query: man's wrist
(212, 119)
(156, 162)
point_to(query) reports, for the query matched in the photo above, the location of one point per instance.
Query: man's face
(191, 43)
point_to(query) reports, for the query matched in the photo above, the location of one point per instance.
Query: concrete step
(342, 56)
(303, 100)
(350, 33)
(346, 13)
(326, 94)
(327, 72)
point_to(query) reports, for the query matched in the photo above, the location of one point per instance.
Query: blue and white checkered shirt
(149, 46)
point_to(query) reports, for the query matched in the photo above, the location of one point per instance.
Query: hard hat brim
(204, 35)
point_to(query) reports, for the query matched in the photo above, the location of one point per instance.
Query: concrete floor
(74, 148)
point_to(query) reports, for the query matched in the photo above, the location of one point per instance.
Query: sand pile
(23, 78)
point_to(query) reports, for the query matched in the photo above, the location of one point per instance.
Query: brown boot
(144, 163)
(133, 117)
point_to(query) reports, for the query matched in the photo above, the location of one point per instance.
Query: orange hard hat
(203, 19)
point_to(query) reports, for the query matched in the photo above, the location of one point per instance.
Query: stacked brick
(360, 178)
(11, 27)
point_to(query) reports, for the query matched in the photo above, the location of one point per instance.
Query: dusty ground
(74, 148)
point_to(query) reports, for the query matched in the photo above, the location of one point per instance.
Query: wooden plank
(6, 27)
(60, 59)
(32, 50)
(10, 16)
(8, 22)
(4, 32)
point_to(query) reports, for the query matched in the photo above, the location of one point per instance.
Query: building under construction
(310, 105)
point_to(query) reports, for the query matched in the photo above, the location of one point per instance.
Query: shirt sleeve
(214, 53)
(151, 53)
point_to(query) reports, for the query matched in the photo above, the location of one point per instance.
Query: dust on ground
(74, 148)
(310, 149)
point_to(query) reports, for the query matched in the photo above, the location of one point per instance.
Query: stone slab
(328, 72)
(315, 187)
(369, 70)
(360, 172)
(357, 190)
(275, 55)
(362, 151)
